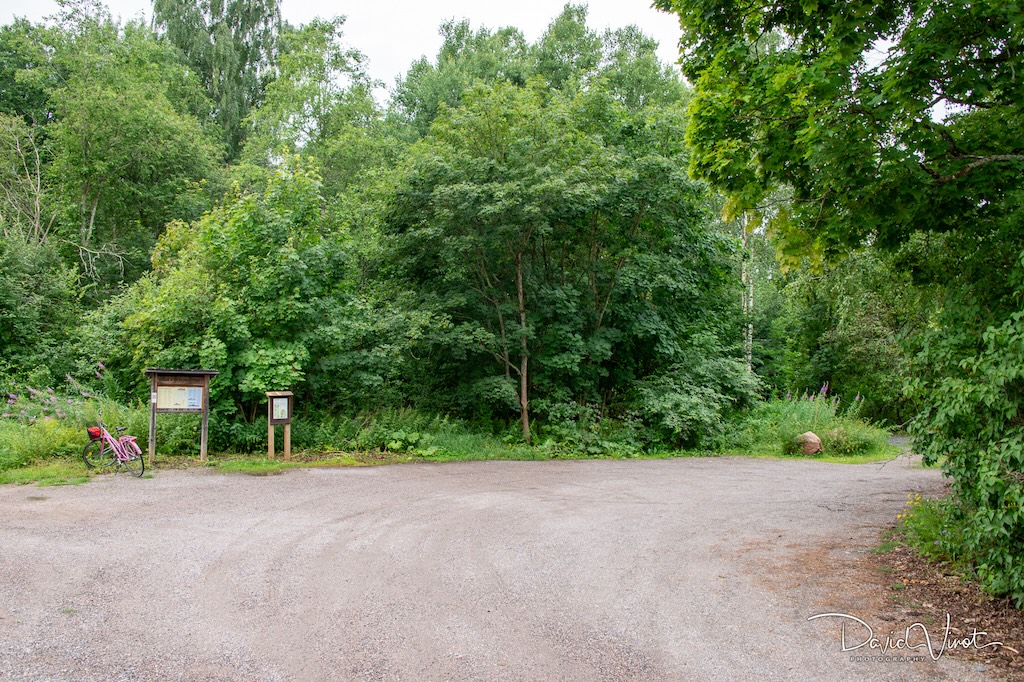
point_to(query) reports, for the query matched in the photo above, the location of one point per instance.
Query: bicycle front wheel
(97, 455)
(134, 464)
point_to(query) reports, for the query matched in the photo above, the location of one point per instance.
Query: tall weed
(771, 428)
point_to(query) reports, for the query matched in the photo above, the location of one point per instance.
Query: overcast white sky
(396, 32)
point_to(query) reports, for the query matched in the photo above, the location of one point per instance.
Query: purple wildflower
(10, 401)
(6, 415)
(98, 375)
(100, 365)
(71, 401)
(12, 396)
(33, 391)
(49, 390)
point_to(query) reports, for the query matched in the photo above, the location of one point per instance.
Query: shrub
(772, 427)
(23, 443)
(572, 428)
(688, 405)
(971, 387)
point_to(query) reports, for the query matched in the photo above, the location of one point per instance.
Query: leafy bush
(773, 426)
(22, 443)
(971, 386)
(851, 438)
(574, 429)
(934, 528)
(38, 308)
(689, 405)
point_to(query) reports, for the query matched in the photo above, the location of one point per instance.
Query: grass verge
(927, 526)
(71, 470)
(57, 471)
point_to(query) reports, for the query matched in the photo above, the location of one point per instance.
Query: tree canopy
(231, 46)
(883, 118)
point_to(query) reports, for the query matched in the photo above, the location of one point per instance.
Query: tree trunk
(747, 292)
(524, 403)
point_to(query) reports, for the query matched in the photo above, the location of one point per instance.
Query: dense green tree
(496, 174)
(849, 325)
(120, 148)
(239, 291)
(102, 142)
(632, 72)
(315, 74)
(23, 49)
(321, 104)
(28, 208)
(38, 310)
(231, 45)
(558, 236)
(882, 117)
(466, 56)
(569, 52)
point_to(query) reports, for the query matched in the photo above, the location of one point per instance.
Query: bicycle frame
(104, 450)
(123, 447)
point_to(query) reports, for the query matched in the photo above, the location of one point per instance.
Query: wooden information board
(180, 391)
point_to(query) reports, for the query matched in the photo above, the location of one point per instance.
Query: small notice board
(181, 391)
(279, 411)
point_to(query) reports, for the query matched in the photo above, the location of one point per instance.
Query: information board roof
(181, 372)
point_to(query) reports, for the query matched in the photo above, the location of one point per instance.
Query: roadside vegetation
(542, 249)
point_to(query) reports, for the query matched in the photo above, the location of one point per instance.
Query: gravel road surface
(685, 569)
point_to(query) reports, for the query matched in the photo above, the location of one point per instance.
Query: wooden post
(287, 442)
(152, 419)
(206, 419)
(270, 440)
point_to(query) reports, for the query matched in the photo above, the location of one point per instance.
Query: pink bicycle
(103, 450)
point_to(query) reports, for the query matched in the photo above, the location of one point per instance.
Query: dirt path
(695, 569)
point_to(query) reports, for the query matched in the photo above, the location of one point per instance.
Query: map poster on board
(280, 408)
(179, 398)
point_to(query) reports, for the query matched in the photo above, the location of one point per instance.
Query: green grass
(257, 465)
(60, 471)
(882, 454)
(932, 528)
(888, 544)
(47, 450)
(770, 430)
(23, 444)
(254, 467)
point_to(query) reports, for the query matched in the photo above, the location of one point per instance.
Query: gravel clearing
(684, 569)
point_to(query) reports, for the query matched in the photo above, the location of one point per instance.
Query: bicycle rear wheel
(97, 454)
(134, 464)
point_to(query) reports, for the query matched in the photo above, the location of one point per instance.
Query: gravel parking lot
(684, 569)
